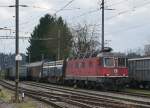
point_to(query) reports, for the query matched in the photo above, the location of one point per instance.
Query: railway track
(77, 98)
(97, 93)
(91, 95)
(29, 93)
(73, 100)
(91, 92)
(132, 94)
(54, 99)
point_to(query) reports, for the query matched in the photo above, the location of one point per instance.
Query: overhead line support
(17, 52)
(102, 7)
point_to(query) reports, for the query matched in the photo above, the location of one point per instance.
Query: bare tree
(85, 41)
(135, 53)
(147, 50)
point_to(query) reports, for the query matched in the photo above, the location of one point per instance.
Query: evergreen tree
(47, 31)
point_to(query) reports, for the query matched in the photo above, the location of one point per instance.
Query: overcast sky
(127, 25)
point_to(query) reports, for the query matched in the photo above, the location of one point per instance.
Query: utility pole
(58, 55)
(102, 7)
(17, 51)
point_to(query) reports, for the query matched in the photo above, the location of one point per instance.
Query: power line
(23, 37)
(61, 9)
(126, 11)
(116, 3)
(120, 13)
(11, 6)
(130, 28)
(64, 6)
(86, 13)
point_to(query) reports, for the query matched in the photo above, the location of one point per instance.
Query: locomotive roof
(108, 54)
(141, 58)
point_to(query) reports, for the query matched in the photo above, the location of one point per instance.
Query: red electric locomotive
(107, 70)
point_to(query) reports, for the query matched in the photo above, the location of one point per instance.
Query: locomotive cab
(113, 70)
(113, 65)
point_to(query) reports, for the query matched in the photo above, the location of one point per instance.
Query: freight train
(107, 70)
(104, 70)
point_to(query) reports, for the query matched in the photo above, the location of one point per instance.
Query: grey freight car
(11, 73)
(34, 71)
(53, 71)
(139, 71)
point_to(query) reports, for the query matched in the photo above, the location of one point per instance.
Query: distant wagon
(10, 73)
(34, 71)
(139, 72)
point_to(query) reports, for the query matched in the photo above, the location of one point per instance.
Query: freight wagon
(11, 72)
(139, 72)
(34, 71)
(53, 71)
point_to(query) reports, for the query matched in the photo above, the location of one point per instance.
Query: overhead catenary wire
(117, 3)
(86, 13)
(23, 37)
(61, 9)
(64, 6)
(56, 11)
(120, 13)
(116, 15)
(129, 28)
(127, 11)
(81, 15)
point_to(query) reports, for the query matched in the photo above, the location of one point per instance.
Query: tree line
(58, 41)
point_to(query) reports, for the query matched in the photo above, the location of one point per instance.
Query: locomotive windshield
(121, 62)
(114, 62)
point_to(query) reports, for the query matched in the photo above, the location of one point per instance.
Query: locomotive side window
(121, 62)
(109, 62)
